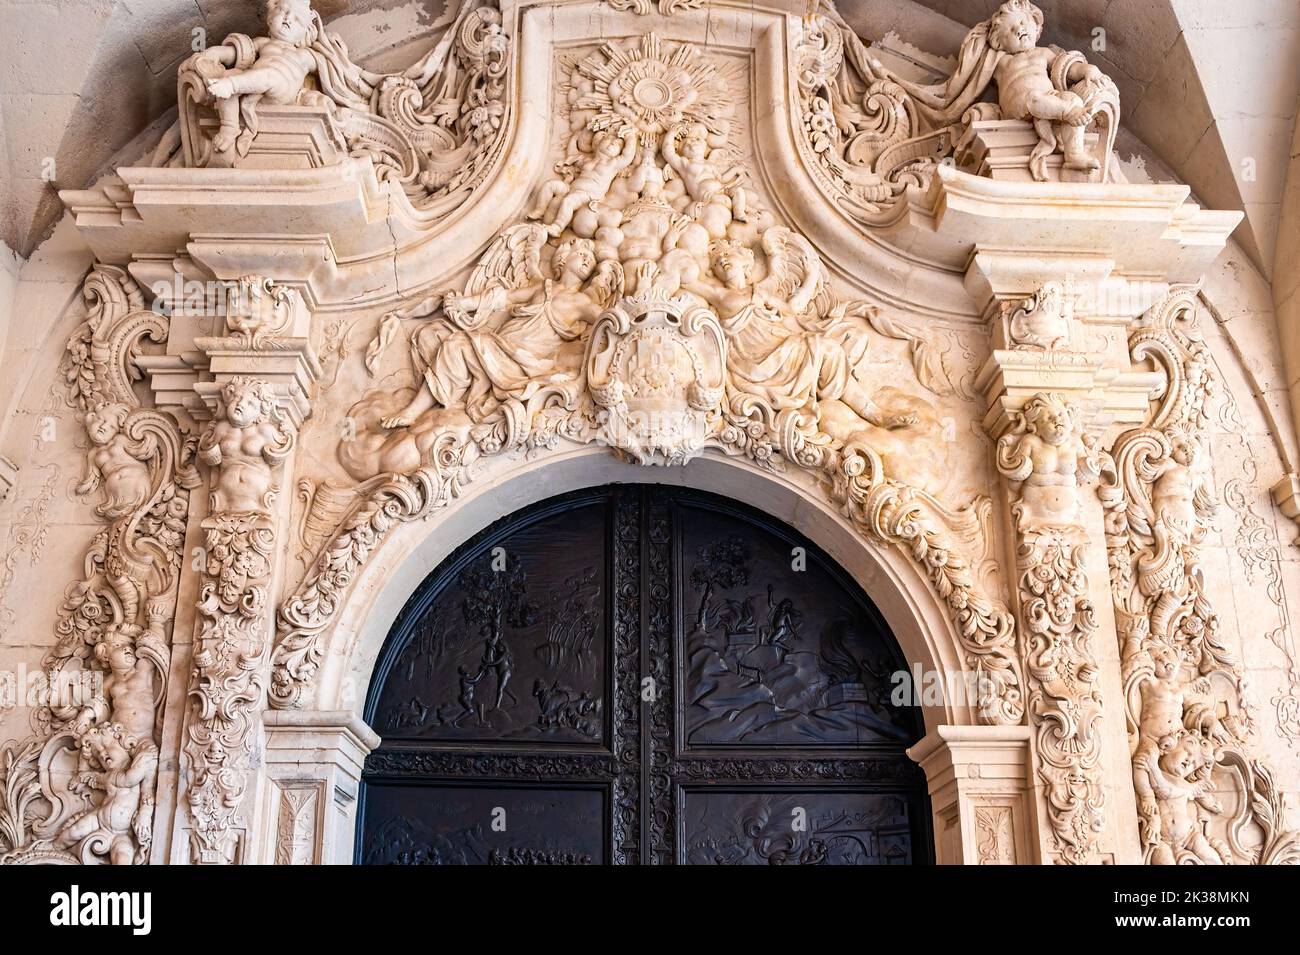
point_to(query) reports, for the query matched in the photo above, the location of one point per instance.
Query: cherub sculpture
(245, 442)
(612, 152)
(1173, 785)
(715, 205)
(137, 665)
(785, 367)
(116, 462)
(1056, 90)
(1170, 503)
(1180, 493)
(278, 74)
(125, 768)
(1043, 457)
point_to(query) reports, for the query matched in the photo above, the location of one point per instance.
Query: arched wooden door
(636, 674)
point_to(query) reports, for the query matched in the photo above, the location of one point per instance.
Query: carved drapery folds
(1043, 457)
(872, 133)
(649, 301)
(665, 291)
(82, 789)
(434, 128)
(1202, 796)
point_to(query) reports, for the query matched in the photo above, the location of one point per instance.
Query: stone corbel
(978, 778)
(313, 768)
(1043, 310)
(269, 339)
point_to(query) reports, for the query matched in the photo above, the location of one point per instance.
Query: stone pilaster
(253, 384)
(980, 794)
(1054, 383)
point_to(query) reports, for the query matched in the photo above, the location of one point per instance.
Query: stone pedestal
(979, 794)
(307, 811)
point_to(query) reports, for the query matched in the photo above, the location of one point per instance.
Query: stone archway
(322, 344)
(642, 674)
(331, 731)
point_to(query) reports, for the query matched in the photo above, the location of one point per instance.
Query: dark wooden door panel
(776, 651)
(464, 823)
(640, 674)
(513, 648)
(808, 827)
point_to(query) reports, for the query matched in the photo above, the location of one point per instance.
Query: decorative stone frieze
(923, 299)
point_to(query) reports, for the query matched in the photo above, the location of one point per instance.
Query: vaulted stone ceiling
(87, 81)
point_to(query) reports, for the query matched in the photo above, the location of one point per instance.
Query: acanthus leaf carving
(1042, 458)
(650, 301)
(1189, 718)
(434, 129)
(871, 132)
(244, 445)
(82, 789)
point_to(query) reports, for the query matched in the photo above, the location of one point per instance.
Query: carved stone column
(313, 770)
(980, 794)
(1053, 384)
(1043, 458)
(255, 384)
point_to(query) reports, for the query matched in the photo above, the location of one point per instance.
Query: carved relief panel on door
(633, 674)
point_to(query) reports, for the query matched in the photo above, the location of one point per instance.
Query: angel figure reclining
(467, 363)
(804, 368)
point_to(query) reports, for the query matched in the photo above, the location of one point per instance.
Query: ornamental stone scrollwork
(649, 301)
(1203, 798)
(657, 366)
(1041, 321)
(664, 7)
(1043, 457)
(434, 128)
(244, 445)
(872, 132)
(82, 788)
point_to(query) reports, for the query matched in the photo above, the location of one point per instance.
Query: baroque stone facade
(342, 317)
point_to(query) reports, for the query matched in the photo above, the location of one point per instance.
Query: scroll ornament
(649, 301)
(871, 133)
(243, 445)
(1203, 797)
(82, 788)
(434, 129)
(1043, 458)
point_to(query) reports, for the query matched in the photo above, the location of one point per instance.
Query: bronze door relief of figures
(638, 674)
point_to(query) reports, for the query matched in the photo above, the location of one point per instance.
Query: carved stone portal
(681, 231)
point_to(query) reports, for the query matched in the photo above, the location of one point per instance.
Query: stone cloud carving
(650, 301)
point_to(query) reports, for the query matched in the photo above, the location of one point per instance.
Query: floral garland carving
(1042, 458)
(244, 444)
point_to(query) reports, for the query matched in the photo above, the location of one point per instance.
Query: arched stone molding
(979, 774)
(918, 620)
